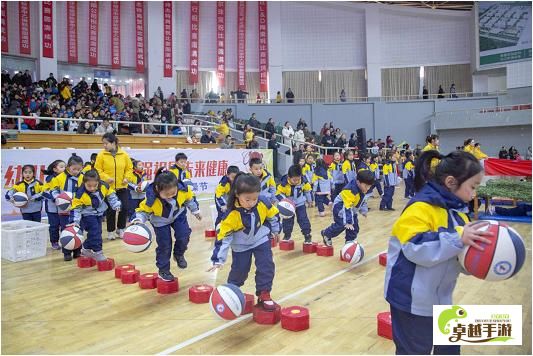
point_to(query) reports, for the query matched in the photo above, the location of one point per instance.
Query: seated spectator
(229, 143)
(270, 128)
(86, 128)
(208, 138)
(104, 127)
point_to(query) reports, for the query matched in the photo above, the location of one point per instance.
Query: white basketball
(352, 252)
(20, 199)
(144, 185)
(286, 208)
(137, 238)
(71, 238)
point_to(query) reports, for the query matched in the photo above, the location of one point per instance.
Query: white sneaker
(120, 232)
(111, 235)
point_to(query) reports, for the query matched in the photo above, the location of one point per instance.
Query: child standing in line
(88, 208)
(308, 170)
(33, 189)
(422, 265)
(337, 177)
(222, 192)
(349, 168)
(390, 180)
(53, 170)
(409, 176)
(321, 186)
(347, 205)
(89, 165)
(180, 168)
(374, 167)
(247, 227)
(166, 198)
(268, 185)
(295, 187)
(136, 194)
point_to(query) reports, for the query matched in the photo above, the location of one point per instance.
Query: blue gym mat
(518, 219)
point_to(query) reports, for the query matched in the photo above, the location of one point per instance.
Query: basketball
(63, 200)
(227, 301)
(20, 199)
(137, 238)
(71, 238)
(500, 260)
(352, 252)
(286, 208)
(144, 185)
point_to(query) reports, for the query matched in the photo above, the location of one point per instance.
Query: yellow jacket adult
(430, 147)
(117, 167)
(223, 129)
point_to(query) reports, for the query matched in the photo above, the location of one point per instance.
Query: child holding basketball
(88, 208)
(347, 205)
(247, 227)
(321, 186)
(180, 168)
(33, 189)
(166, 198)
(222, 192)
(422, 264)
(53, 170)
(134, 187)
(337, 177)
(349, 168)
(295, 187)
(268, 185)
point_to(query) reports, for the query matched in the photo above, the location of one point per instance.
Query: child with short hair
(390, 180)
(180, 168)
(88, 208)
(409, 175)
(374, 167)
(246, 228)
(222, 192)
(268, 185)
(337, 176)
(349, 168)
(295, 187)
(347, 205)
(53, 170)
(33, 189)
(321, 186)
(433, 229)
(134, 187)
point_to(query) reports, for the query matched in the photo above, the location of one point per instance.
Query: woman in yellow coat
(469, 145)
(432, 143)
(115, 168)
(478, 153)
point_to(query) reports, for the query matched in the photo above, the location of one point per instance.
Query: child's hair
(431, 138)
(232, 169)
(74, 159)
(295, 171)
(408, 154)
(91, 175)
(179, 156)
(309, 155)
(468, 141)
(348, 153)
(476, 144)
(321, 163)
(30, 166)
(164, 179)
(255, 160)
(366, 176)
(243, 183)
(93, 156)
(50, 169)
(459, 164)
(365, 156)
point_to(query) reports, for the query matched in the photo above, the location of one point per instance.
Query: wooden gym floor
(53, 307)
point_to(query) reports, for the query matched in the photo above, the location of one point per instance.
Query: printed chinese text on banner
(139, 36)
(93, 33)
(24, 27)
(47, 30)
(167, 38)
(194, 42)
(72, 31)
(115, 34)
(5, 41)
(221, 43)
(241, 44)
(263, 47)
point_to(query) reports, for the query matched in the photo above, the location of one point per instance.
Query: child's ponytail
(164, 179)
(50, 169)
(423, 172)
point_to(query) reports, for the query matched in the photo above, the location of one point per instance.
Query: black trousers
(111, 215)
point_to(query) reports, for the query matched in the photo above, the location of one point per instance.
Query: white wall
(519, 74)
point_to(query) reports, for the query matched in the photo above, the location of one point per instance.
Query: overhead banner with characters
(207, 166)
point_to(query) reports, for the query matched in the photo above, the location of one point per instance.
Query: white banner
(207, 166)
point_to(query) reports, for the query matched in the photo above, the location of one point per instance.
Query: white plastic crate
(24, 240)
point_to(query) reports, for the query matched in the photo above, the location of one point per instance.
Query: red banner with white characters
(48, 32)
(72, 31)
(139, 36)
(263, 47)
(241, 44)
(24, 27)
(5, 41)
(194, 42)
(93, 33)
(167, 39)
(115, 34)
(221, 43)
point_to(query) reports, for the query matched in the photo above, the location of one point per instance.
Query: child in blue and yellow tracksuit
(68, 181)
(390, 180)
(166, 198)
(349, 168)
(409, 176)
(364, 165)
(374, 167)
(246, 228)
(180, 168)
(337, 177)
(347, 205)
(308, 170)
(296, 188)
(33, 188)
(88, 208)
(321, 182)
(53, 170)
(422, 264)
(268, 185)
(136, 194)
(222, 193)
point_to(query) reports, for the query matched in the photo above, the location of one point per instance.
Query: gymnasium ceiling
(436, 5)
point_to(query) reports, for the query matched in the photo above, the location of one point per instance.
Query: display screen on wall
(504, 32)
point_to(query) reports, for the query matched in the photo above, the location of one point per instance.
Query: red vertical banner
(72, 31)
(221, 43)
(47, 29)
(263, 47)
(93, 33)
(194, 42)
(115, 34)
(5, 41)
(167, 39)
(139, 36)
(241, 44)
(24, 27)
